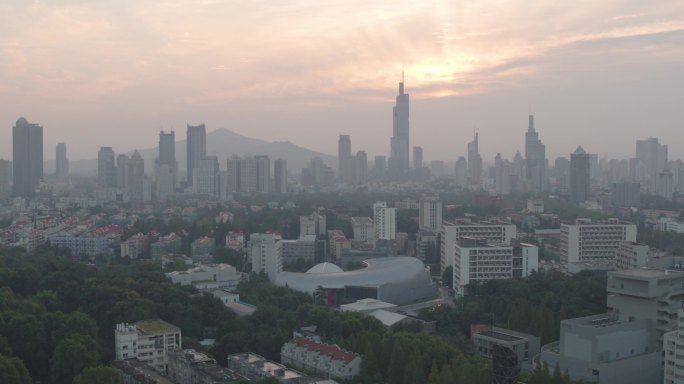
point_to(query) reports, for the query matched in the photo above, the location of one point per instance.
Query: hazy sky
(600, 73)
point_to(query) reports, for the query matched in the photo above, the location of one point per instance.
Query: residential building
(430, 213)
(631, 255)
(136, 177)
(385, 221)
(166, 166)
(652, 157)
(594, 242)
(626, 194)
(364, 230)
(417, 157)
(106, 168)
(202, 246)
(205, 176)
(135, 246)
(320, 358)
(266, 254)
(535, 205)
(313, 224)
(263, 174)
(27, 157)
(673, 344)
(196, 149)
(149, 341)
(280, 175)
(255, 367)
(82, 245)
(580, 176)
(525, 346)
(494, 231)
(208, 277)
(5, 176)
(133, 371)
(170, 243)
(360, 163)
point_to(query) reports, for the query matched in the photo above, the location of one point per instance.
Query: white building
(385, 221)
(208, 276)
(594, 243)
(476, 260)
(303, 248)
(630, 255)
(430, 213)
(320, 358)
(148, 341)
(313, 224)
(364, 230)
(266, 254)
(673, 344)
(495, 231)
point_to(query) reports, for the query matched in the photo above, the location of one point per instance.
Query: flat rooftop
(500, 336)
(155, 326)
(647, 273)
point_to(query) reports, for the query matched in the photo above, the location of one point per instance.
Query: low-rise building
(303, 248)
(187, 366)
(202, 246)
(523, 345)
(321, 358)
(170, 243)
(255, 367)
(673, 344)
(134, 247)
(148, 341)
(631, 255)
(208, 276)
(594, 242)
(82, 245)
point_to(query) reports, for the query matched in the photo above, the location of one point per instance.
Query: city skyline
(613, 68)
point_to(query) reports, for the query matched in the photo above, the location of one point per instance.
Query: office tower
(474, 164)
(399, 144)
(461, 172)
(5, 176)
(247, 175)
(535, 159)
(166, 166)
(344, 159)
(385, 221)
(61, 163)
(626, 194)
(205, 178)
(430, 213)
(266, 254)
(232, 174)
(360, 167)
(579, 176)
(27, 157)
(494, 231)
(417, 157)
(106, 167)
(665, 185)
(280, 175)
(196, 148)
(122, 179)
(652, 156)
(561, 170)
(263, 174)
(166, 177)
(136, 177)
(502, 175)
(594, 242)
(379, 168)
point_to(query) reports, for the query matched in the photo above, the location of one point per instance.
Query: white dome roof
(325, 268)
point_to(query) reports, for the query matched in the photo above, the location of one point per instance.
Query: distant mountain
(224, 144)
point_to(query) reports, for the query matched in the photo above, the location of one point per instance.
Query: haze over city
(113, 73)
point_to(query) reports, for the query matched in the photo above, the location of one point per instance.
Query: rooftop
(647, 273)
(333, 351)
(500, 336)
(156, 326)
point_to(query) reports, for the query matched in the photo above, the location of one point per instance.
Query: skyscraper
(27, 158)
(166, 166)
(196, 148)
(430, 213)
(205, 180)
(136, 177)
(5, 176)
(474, 163)
(360, 167)
(385, 221)
(652, 156)
(344, 169)
(579, 175)
(379, 168)
(461, 172)
(61, 163)
(280, 175)
(399, 145)
(535, 159)
(417, 157)
(263, 174)
(106, 167)
(122, 179)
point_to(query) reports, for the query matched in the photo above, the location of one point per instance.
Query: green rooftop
(155, 326)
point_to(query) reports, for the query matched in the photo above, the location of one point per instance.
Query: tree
(448, 277)
(71, 356)
(13, 371)
(99, 375)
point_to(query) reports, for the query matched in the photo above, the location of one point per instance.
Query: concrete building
(652, 156)
(205, 176)
(360, 163)
(626, 194)
(149, 341)
(494, 231)
(313, 224)
(5, 176)
(255, 367)
(398, 162)
(673, 344)
(385, 221)
(417, 157)
(606, 349)
(280, 175)
(27, 157)
(61, 163)
(196, 141)
(202, 246)
(535, 205)
(303, 248)
(580, 176)
(132, 371)
(106, 168)
(166, 166)
(461, 172)
(535, 159)
(207, 277)
(476, 260)
(320, 358)
(187, 366)
(484, 337)
(647, 294)
(364, 230)
(136, 177)
(474, 164)
(595, 243)
(631, 255)
(344, 158)
(135, 246)
(430, 213)
(266, 254)
(263, 174)
(81, 245)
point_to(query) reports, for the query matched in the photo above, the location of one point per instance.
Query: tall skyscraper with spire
(399, 145)
(535, 159)
(27, 157)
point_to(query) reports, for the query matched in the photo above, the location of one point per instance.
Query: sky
(114, 72)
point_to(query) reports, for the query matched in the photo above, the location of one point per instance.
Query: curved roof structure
(325, 268)
(398, 280)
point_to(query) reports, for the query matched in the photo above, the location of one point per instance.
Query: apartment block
(594, 243)
(494, 231)
(323, 359)
(149, 341)
(631, 255)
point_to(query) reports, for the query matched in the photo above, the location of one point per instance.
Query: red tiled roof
(334, 351)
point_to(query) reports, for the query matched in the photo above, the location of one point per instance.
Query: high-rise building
(205, 180)
(379, 170)
(360, 167)
(461, 172)
(313, 224)
(399, 144)
(122, 169)
(474, 164)
(430, 213)
(652, 156)
(626, 194)
(344, 159)
(579, 176)
(502, 175)
(494, 231)
(561, 170)
(364, 231)
(594, 242)
(196, 148)
(266, 254)
(535, 159)
(417, 157)
(665, 185)
(385, 221)
(167, 148)
(5, 176)
(166, 166)
(106, 167)
(263, 174)
(61, 163)
(27, 157)
(280, 175)
(247, 175)
(136, 177)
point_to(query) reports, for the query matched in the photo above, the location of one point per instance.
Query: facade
(344, 158)
(606, 349)
(535, 159)
(187, 366)
(417, 157)
(485, 337)
(594, 243)
(360, 162)
(651, 157)
(61, 163)
(303, 248)
(385, 221)
(255, 367)
(166, 166)
(474, 164)
(136, 177)
(398, 162)
(476, 260)
(196, 141)
(494, 231)
(580, 176)
(673, 344)
(208, 276)
(134, 247)
(626, 194)
(5, 176)
(82, 245)
(364, 230)
(106, 167)
(430, 213)
(323, 359)
(27, 157)
(631, 255)
(313, 224)
(205, 176)
(280, 175)
(149, 341)
(202, 246)
(647, 294)
(263, 174)
(266, 254)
